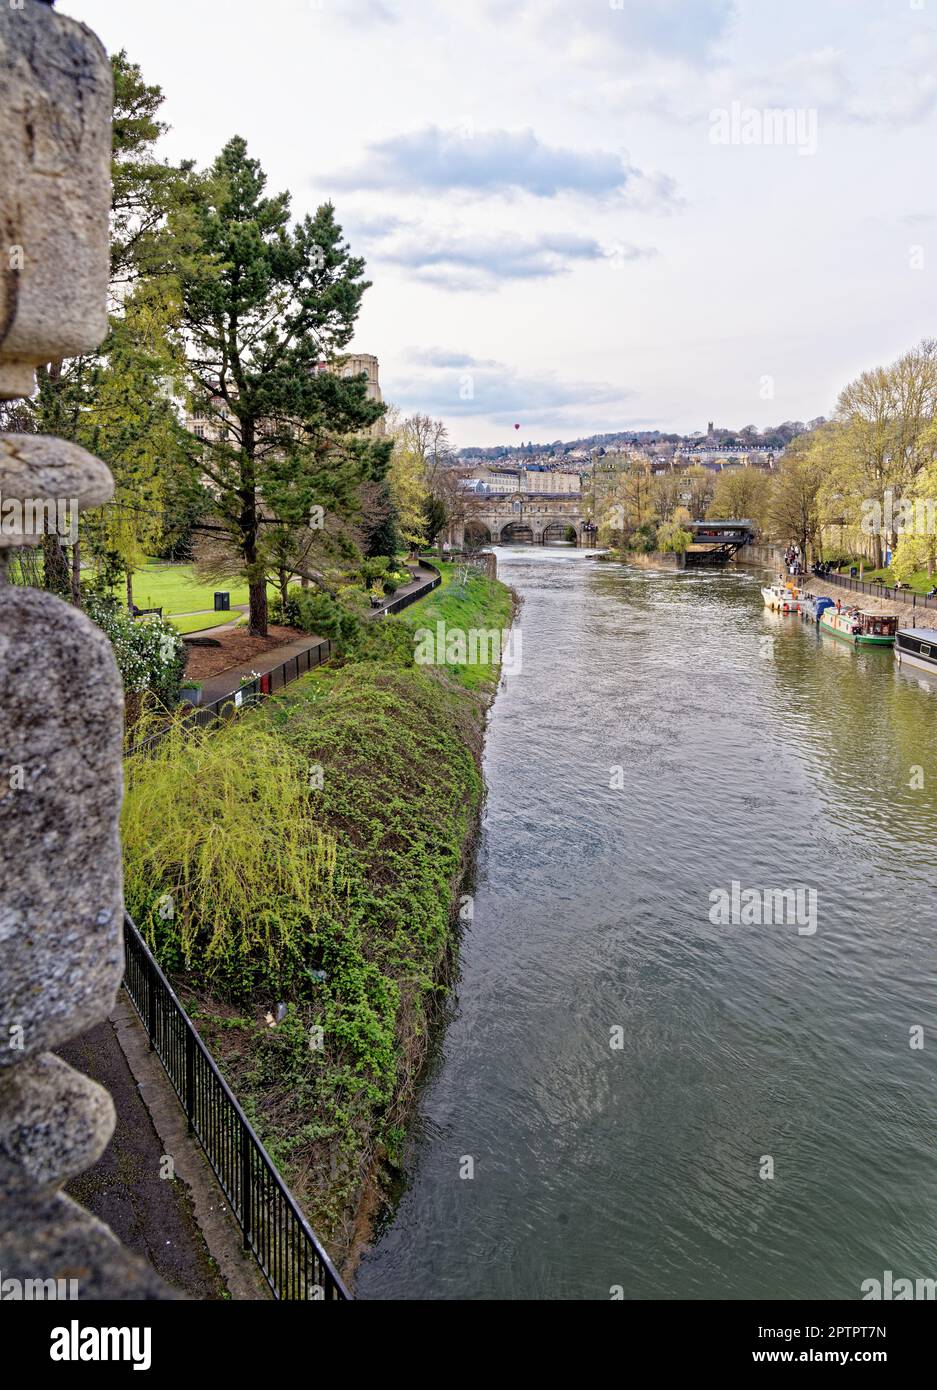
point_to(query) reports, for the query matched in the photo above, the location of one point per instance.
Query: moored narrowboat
(812, 605)
(918, 647)
(865, 629)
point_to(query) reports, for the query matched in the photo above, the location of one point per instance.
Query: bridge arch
(517, 533)
(560, 531)
(477, 533)
(532, 518)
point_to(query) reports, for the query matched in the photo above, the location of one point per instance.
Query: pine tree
(266, 304)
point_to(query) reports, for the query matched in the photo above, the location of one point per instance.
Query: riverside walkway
(227, 682)
(872, 602)
(151, 1185)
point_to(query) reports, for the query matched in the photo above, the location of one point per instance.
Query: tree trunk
(257, 598)
(54, 564)
(129, 577)
(76, 574)
(256, 571)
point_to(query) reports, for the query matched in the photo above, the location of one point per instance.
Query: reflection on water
(791, 762)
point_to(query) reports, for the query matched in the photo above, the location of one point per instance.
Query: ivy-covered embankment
(297, 874)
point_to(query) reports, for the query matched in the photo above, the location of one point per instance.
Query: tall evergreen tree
(266, 305)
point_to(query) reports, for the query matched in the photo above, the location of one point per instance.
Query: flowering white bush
(150, 655)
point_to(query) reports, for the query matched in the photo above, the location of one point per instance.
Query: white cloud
(457, 384)
(486, 161)
(613, 30)
(460, 260)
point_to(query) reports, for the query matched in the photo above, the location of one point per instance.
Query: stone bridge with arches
(519, 519)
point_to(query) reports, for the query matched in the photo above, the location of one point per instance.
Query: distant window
(199, 431)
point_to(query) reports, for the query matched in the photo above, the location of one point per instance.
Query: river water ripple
(773, 765)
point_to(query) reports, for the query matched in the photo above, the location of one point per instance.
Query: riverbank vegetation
(466, 600)
(862, 484)
(297, 872)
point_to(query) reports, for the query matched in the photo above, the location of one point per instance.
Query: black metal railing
(267, 684)
(893, 594)
(397, 605)
(285, 1246)
(228, 705)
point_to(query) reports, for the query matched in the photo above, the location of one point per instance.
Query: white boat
(917, 646)
(781, 598)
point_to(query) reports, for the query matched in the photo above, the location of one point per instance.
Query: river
(752, 749)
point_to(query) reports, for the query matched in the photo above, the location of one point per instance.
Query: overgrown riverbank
(297, 874)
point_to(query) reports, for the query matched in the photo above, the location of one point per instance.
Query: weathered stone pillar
(61, 700)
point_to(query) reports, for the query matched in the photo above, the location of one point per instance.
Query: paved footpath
(153, 1217)
(228, 681)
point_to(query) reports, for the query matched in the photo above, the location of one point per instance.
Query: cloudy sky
(580, 215)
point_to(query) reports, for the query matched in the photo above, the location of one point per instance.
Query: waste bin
(222, 603)
(853, 571)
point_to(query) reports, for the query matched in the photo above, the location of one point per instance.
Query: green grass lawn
(919, 583)
(176, 589)
(479, 605)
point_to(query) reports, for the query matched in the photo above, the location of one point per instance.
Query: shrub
(673, 538)
(643, 541)
(387, 640)
(150, 655)
(316, 612)
(227, 870)
(373, 570)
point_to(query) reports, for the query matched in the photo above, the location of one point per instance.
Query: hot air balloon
(517, 427)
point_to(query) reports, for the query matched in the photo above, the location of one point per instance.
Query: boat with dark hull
(917, 646)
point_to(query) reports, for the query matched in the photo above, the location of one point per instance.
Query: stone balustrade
(61, 701)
